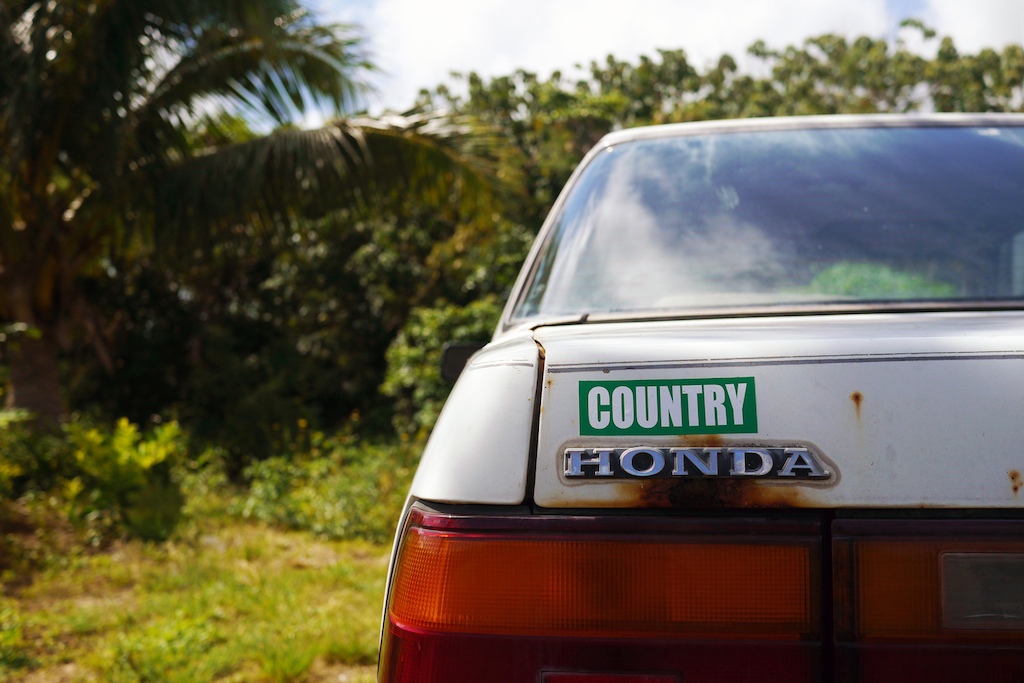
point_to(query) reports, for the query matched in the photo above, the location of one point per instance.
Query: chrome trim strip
(789, 360)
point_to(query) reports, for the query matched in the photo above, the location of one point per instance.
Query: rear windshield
(788, 218)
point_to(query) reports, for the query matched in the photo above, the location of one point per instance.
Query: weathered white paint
(939, 420)
(479, 449)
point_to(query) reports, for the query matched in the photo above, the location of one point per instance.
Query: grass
(225, 601)
(278, 580)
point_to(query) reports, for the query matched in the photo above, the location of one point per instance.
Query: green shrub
(29, 460)
(338, 489)
(32, 521)
(205, 484)
(12, 454)
(83, 485)
(128, 475)
(413, 377)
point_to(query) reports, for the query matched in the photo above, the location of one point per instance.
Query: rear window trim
(510, 321)
(862, 308)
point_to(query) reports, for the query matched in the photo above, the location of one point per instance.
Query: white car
(755, 412)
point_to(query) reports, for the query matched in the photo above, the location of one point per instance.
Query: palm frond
(111, 74)
(358, 163)
(271, 76)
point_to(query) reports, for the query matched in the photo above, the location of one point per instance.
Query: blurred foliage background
(208, 310)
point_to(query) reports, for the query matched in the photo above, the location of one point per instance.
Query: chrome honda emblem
(783, 463)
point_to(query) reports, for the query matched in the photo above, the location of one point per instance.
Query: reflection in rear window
(788, 218)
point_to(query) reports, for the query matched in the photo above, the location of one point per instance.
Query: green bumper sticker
(668, 406)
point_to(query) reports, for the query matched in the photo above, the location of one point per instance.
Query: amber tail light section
(555, 598)
(929, 600)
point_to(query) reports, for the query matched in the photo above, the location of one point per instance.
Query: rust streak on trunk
(858, 401)
(702, 441)
(714, 493)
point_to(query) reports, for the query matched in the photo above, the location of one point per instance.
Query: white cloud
(980, 23)
(419, 42)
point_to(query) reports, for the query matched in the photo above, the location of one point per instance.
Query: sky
(418, 43)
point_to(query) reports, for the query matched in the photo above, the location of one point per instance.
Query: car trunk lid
(876, 410)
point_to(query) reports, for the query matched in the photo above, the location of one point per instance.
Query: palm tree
(99, 101)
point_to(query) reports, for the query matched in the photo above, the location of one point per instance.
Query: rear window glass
(786, 218)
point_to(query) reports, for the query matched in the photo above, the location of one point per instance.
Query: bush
(15, 455)
(110, 481)
(413, 377)
(128, 475)
(29, 460)
(339, 489)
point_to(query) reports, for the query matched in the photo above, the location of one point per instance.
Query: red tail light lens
(615, 587)
(650, 598)
(929, 600)
(605, 678)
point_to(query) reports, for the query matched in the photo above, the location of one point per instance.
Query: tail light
(603, 600)
(929, 600)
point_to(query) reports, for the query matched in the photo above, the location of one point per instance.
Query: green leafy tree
(99, 104)
(549, 124)
(414, 380)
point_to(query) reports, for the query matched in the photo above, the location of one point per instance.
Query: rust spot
(858, 400)
(713, 494)
(702, 440)
(1016, 481)
(550, 382)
